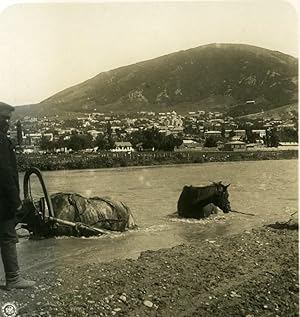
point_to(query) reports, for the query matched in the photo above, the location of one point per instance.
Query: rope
(243, 213)
(78, 215)
(72, 202)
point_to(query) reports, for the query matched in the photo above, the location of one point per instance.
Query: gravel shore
(250, 274)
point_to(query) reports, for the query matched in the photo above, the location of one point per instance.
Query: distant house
(140, 147)
(189, 145)
(48, 136)
(240, 133)
(235, 146)
(28, 150)
(235, 138)
(220, 145)
(177, 130)
(123, 147)
(288, 145)
(94, 133)
(260, 132)
(286, 126)
(131, 130)
(33, 138)
(212, 133)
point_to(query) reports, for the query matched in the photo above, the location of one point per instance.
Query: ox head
(221, 198)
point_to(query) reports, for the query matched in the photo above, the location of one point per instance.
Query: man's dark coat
(9, 180)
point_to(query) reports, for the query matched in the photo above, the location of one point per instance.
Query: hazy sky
(47, 47)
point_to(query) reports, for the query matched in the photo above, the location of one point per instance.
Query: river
(268, 189)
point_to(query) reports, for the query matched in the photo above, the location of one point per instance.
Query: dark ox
(194, 200)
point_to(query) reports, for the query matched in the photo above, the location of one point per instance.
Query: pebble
(147, 303)
(123, 298)
(117, 309)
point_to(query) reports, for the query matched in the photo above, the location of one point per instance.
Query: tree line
(150, 139)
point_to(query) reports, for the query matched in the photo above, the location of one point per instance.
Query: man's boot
(11, 268)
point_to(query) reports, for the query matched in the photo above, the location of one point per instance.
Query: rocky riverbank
(250, 274)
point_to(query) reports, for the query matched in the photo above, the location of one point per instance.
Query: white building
(212, 133)
(123, 147)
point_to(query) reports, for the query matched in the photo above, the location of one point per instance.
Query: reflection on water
(267, 189)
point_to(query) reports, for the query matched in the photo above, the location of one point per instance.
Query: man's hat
(5, 109)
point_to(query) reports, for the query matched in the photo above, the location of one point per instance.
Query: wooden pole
(78, 224)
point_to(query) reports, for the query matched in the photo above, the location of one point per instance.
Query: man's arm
(8, 184)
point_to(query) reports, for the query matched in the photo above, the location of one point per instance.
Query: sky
(46, 47)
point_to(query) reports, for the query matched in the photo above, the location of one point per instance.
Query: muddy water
(266, 188)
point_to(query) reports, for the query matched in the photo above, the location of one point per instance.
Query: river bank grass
(108, 159)
(254, 273)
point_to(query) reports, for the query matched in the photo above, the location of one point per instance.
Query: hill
(282, 113)
(214, 77)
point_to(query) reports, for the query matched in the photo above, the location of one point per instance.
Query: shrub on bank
(108, 160)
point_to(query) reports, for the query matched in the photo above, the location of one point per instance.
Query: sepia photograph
(149, 158)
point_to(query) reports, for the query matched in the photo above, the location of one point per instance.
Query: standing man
(10, 203)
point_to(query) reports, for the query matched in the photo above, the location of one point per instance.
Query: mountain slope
(281, 113)
(215, 77)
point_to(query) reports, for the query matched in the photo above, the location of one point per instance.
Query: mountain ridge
(212, 77)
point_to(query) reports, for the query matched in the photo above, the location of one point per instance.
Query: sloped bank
(109, 159)
(250, 274)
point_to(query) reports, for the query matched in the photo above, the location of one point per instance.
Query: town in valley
(152, 131)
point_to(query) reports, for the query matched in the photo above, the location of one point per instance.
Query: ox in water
(199, 202)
